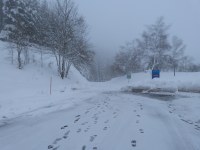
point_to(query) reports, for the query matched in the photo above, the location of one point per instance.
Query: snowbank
(28, 90)
(182, 82)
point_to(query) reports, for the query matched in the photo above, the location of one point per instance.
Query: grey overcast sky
(112, 23)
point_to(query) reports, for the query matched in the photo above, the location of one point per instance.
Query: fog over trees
(153, 50)
(64, 32)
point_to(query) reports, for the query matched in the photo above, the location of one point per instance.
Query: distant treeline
(153, 50)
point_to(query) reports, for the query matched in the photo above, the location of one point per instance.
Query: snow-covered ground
(107, 121)
(80, 115)
(182, 82)
(28, 90)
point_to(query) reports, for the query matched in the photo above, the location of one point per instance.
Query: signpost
(155, 74)
(128, 76)
(50, 85)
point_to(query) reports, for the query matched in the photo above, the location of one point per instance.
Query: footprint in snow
(114, 113)
(141, 131)
(55, 148)
(187, 121)
(79, 130)
(84, 147)
(84, 123)
(75, 121)
(66, 134)
(105, 128)
(57, 140)
(197, 127)
(50, 146)
(87, 129)
(64, 127)
(133, 143)
(65, 137)
(92, 138)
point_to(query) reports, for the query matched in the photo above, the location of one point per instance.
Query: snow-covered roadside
(28, 90)
(167, 83)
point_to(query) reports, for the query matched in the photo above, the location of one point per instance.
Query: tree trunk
(41, 57)
(63, 68)
(68, 64)
(174, 70)
(19, 59)
(12, 55)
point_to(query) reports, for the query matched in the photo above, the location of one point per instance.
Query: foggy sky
(112, 23)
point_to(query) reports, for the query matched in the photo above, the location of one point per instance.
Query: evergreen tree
(19, 26)
(42, 19)
(1, 15)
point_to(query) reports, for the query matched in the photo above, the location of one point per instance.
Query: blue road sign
(155, 74)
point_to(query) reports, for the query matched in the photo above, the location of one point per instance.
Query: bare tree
(177, 52)
(154, 51)
(155, 42)
(66, 16)
(185, 63)
(129, 59)
(67, 37)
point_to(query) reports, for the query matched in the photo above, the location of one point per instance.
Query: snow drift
(167, 83)
(28, 89)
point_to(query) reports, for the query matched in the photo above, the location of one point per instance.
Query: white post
(50, 84)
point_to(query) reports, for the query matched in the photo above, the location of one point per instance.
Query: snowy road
(108, 121)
